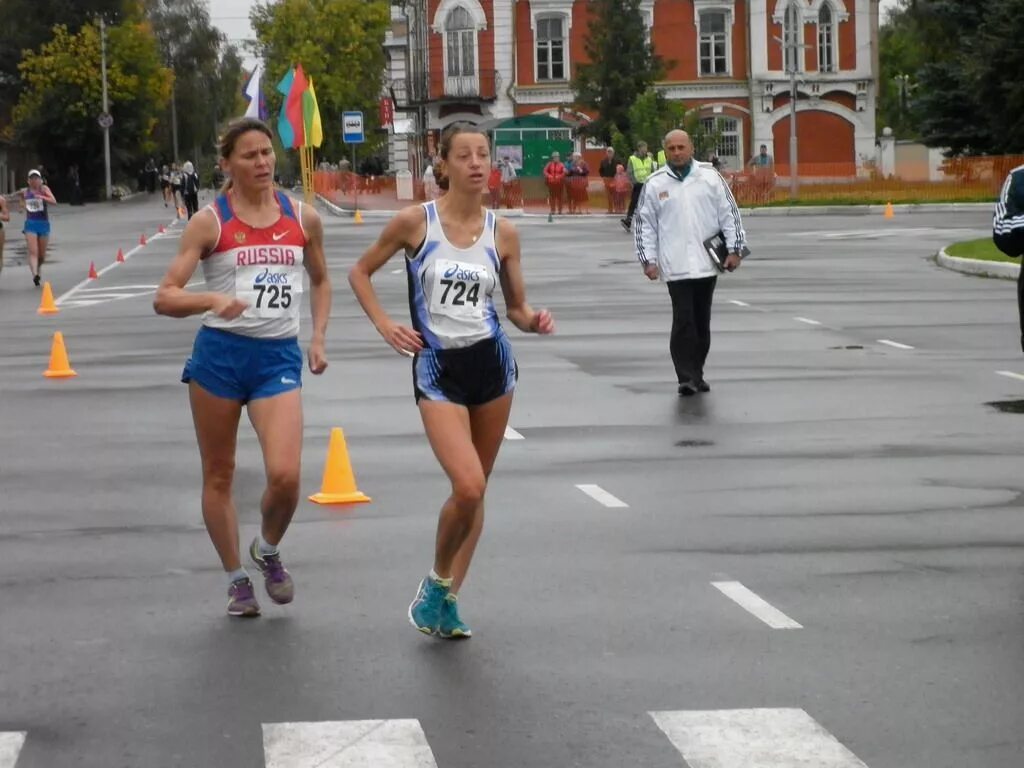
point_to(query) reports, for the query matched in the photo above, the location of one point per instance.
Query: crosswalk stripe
(754, 738)
(347, 744)
(11, 743)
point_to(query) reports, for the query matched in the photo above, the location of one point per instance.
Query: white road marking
(397, 271)
(105, 289)
(347, 744)
(112, 265)
(511, 434)
(896, 344)
(600, 495)
(1012, 375)
(806, 320)
(738, 303)
(11, 743)
(756, 605)
(754, 738)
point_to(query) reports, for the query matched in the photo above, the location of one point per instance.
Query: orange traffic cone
(339, 483)
(889, 212)
(59, 368)
(120, 256)
(93, 274)
(359, 217)
(142, 239)
(47, 306)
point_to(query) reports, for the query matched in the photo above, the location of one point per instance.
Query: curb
(978, 267)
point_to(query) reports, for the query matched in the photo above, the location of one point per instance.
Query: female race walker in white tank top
(464, 374)
(254, 244)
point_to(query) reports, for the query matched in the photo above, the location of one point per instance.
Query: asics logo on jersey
(461, 274)
(286, 380)
(271, 278)
(278, 235)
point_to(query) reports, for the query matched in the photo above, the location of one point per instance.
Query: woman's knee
(218, 474)
(468, 490)
(283, 482)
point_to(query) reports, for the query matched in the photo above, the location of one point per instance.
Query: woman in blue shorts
(254, 245)
(35, 200)
(457, 253)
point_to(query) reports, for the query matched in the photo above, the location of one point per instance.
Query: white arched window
(460, 43)
(792, 29)
(826, 39)
(713, 33)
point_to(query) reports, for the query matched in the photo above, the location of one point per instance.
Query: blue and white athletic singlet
(450, 289)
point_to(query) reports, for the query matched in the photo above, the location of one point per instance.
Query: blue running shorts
(243, 368)
(471, 375)
(39, 227)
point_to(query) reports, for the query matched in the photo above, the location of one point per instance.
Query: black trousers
(191, 203)
(634, 198)
(690, 341)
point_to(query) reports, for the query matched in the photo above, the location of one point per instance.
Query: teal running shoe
(451, 626)
(425, 610)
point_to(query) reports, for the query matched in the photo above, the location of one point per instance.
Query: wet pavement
(854, 469)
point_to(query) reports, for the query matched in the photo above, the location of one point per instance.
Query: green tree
(621, 65)
(27, 24)
(651, 116)
(207, 75)
(340, 44)
(997, 61)
(56, 113)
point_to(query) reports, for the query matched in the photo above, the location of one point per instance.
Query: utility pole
(174, 114)
(792, 48)
(105, 121)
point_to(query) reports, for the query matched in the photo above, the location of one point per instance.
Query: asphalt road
(846, 481)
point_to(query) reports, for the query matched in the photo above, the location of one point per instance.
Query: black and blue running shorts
(471, 375)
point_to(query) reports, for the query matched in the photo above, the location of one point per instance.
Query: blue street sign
(352, 128)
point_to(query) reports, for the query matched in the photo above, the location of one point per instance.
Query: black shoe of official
(687, 389)
(703, 386)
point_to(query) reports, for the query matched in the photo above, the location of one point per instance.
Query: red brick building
(480, 60)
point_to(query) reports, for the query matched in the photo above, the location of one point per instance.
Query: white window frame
(737, 132)
(460, 85)
(564, 19)
(728, 7)
(540, 9)
(727, 34)
(832, 31)
(792, 14)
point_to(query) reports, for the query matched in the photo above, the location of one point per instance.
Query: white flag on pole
(253, 94)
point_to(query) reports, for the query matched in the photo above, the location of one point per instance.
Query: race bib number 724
(269, 291)
(460, 289)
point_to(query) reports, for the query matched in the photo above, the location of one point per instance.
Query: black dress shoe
(703, 386)
(687, 389)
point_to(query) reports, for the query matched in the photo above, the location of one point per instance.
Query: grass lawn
(982, 249)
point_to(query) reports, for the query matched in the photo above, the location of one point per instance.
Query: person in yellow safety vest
(640, 166)
(661, 158)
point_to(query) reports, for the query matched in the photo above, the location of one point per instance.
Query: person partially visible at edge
(190, 188)
(683, 205)
(639, 167)
(1008, 229)
(464, 374)
(606, 170)
(35, 200)
(5, 217)
(253, 243)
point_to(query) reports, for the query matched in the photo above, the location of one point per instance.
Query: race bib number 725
(269, 291)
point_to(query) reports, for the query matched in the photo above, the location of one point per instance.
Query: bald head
(678, 147)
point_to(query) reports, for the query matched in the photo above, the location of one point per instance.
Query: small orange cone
(93, 274)
(46, 305)
(339, 483)
(359, 217)
(120, 256)
(889, 212)
(142, 239)
(59, 368)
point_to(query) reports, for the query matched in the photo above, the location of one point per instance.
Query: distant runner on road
(253, 243)
(35, 200)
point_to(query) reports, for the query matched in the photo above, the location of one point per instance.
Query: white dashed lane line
(755, 605)
(894, 344)
(511, 434)
(600, 495)
(1011, 375)
(738, 303)
(806, 320)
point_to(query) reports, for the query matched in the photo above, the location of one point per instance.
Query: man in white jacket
(682, 205)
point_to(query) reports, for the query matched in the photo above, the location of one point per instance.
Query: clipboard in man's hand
(718, 251)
